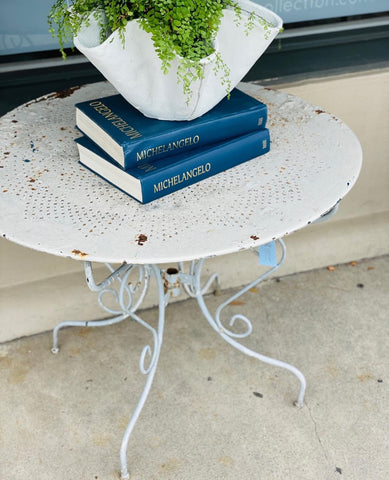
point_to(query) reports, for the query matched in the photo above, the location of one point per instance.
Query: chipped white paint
(51, 203)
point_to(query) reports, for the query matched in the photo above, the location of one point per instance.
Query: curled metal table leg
(123, 296)
(133, 282)
(149, 370)
(130, 295)
(127, 297)
(232, 337)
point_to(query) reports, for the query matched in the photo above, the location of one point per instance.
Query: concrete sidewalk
(213, 413)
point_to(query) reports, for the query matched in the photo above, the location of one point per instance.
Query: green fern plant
(179, 28)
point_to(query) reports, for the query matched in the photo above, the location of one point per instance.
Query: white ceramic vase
(135, 69)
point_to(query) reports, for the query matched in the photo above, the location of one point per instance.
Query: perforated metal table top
(50, 203)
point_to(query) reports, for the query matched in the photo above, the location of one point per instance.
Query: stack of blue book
(148, 158)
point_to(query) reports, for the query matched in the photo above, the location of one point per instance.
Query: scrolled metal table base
(133, 282)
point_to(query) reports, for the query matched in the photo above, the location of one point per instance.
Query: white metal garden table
(50, 203)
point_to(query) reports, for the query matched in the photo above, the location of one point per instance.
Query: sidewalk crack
(317, 433)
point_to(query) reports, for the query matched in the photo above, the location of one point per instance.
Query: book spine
(208, 162)
(194, 136)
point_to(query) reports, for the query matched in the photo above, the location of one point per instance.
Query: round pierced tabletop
(50, 203)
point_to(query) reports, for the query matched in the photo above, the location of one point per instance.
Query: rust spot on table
(141, 239)
(78, 252)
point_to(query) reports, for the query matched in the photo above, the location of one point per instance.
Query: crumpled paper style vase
(135, 69)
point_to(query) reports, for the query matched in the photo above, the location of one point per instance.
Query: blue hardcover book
(130, 138)
(149, 181)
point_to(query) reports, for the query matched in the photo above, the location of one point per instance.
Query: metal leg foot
(97, 323)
